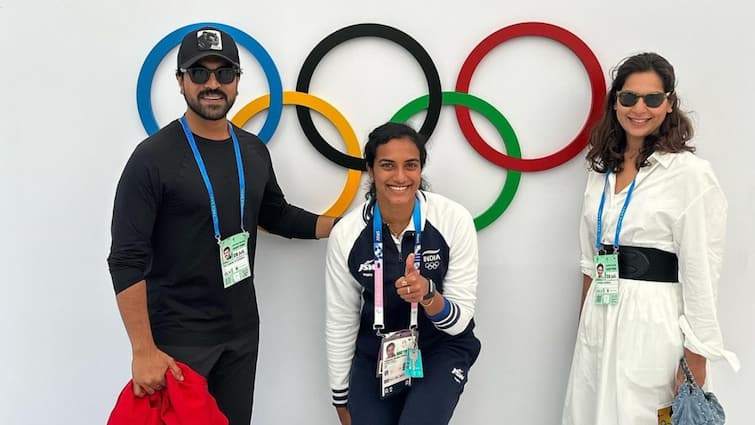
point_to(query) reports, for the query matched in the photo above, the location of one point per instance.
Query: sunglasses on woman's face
(652, 100)
(200, 74)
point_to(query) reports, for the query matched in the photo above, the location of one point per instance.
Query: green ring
(501, 124)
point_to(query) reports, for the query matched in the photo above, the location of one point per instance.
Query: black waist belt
(646, 263)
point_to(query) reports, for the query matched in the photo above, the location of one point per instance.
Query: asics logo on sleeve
(367, 268)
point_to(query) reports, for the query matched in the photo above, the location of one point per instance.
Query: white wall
(68, 122)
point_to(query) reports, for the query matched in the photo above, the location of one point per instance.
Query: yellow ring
(339, 122)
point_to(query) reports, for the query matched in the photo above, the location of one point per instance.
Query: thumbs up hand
(412, 286)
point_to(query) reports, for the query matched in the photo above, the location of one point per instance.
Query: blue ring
(156, 55)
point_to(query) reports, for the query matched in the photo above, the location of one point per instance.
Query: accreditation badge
(394, 354)
(413, 366)
(234, 259)
(606, 279)
(664, 415)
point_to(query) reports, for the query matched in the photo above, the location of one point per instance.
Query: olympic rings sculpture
(461, 99)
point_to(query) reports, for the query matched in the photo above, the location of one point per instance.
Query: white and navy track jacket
(449, 258)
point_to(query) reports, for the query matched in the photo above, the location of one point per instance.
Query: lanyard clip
(378, 330)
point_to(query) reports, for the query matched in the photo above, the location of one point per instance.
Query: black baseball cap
(207, 41)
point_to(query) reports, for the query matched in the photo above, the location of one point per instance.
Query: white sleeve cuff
(709, 351)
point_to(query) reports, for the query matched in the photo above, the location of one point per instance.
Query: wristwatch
(430, 290)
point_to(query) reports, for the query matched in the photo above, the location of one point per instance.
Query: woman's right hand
(343, 415)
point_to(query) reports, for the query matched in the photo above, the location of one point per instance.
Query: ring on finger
(408, 290)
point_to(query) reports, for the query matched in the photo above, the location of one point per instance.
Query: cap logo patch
(209, 40)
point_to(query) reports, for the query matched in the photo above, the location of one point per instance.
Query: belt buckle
(636, 264)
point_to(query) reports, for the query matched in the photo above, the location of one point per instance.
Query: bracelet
(432, 300)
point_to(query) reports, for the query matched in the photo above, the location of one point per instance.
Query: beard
(210, 112)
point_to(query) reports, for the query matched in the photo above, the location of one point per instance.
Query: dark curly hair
(608, 139)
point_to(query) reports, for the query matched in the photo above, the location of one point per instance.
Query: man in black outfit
(189, 194)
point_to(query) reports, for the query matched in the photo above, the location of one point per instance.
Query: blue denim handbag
(692, 406)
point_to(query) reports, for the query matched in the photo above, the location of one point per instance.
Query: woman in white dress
(649, 198)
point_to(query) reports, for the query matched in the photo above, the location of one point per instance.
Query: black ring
(366, 30)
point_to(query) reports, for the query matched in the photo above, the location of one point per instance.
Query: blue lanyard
(621, 214)
(206, 177)
(377, 248)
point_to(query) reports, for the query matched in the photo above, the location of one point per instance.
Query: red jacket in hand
(186, 402)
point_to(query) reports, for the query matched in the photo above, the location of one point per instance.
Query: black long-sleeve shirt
(162, 232)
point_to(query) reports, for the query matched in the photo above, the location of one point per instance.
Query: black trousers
(229, 368)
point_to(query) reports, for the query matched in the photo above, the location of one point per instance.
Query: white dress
(626, 355)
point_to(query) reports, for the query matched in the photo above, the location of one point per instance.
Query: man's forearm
(324, 226)
(132, 303)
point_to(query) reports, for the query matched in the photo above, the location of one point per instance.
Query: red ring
(594, 72)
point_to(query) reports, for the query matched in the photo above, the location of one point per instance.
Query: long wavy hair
(382, 135)
(608, 139)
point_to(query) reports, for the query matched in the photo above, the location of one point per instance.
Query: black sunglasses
(652, 100)
(200, 74)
